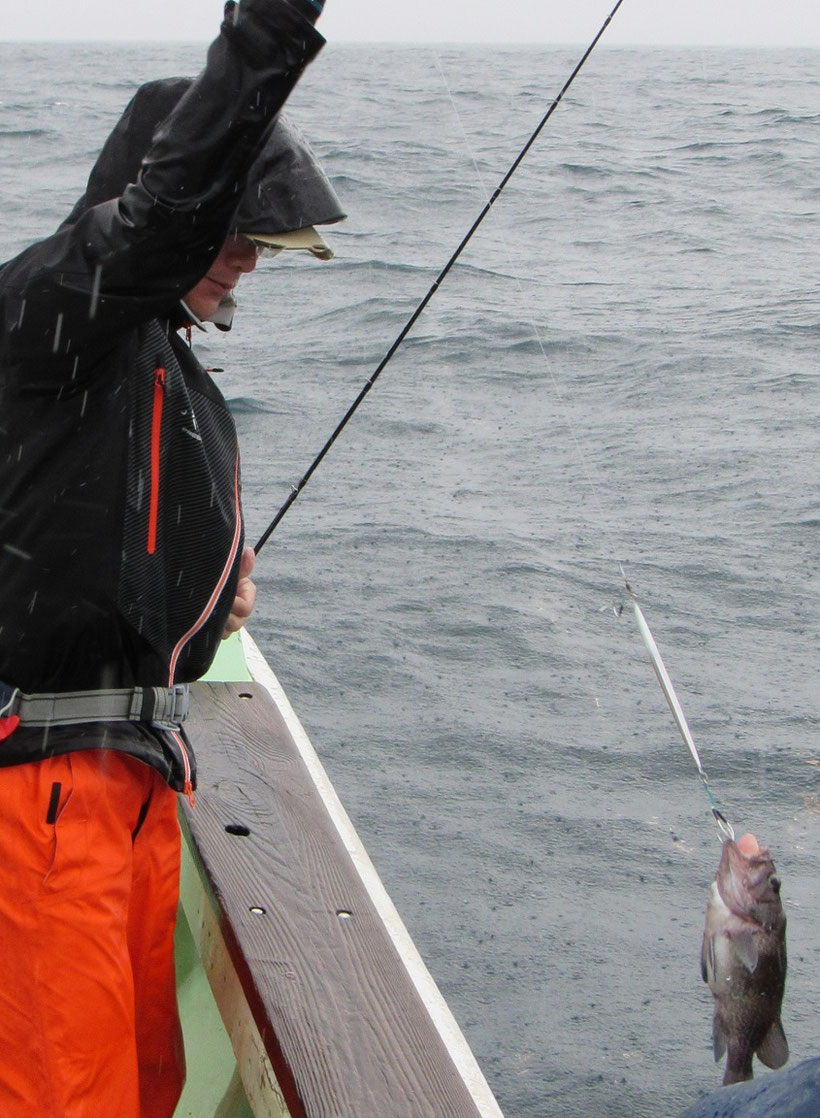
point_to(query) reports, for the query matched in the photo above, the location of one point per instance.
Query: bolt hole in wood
(245, 695)
(344, 913)
(238, 829)
(257, 910)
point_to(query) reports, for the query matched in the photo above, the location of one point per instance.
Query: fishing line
(297, 489)
(533, 325)
(725, 829)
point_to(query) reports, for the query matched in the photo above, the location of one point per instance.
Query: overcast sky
(696, 22)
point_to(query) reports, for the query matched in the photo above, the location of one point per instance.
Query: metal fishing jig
(725, 828)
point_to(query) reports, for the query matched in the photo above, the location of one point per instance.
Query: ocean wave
(246, 405)
(24, 133)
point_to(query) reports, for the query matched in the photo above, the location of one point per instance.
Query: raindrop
(16, 551)
(57, 332)
(95, 292)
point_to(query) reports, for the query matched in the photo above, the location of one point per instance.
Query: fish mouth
(747, 881)
(748, 846)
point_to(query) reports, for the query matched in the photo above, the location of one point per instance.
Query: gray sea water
(623, 368)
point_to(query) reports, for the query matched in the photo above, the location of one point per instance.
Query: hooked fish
(744, 959)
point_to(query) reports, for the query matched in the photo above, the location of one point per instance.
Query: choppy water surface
(623, 367)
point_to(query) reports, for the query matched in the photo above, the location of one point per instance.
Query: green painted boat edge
(212, 1086)
(230, 665)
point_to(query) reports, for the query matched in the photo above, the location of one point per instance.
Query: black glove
(310, 9)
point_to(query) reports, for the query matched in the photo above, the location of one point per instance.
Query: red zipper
(156, 430)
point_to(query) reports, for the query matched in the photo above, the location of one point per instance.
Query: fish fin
(774, 1051)
(744, 945)
(718, 1041)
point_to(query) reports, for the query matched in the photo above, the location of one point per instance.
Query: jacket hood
(286, 188)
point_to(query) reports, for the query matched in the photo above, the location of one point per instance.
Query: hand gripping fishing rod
(297, 489)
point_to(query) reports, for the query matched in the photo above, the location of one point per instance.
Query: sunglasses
(263, 249)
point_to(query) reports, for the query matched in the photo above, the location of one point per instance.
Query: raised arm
(133, 255)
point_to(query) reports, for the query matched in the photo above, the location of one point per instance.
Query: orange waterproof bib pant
(89, 881)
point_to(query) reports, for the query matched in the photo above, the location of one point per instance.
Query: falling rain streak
(57, 333)
(95, 292)
(18, 551)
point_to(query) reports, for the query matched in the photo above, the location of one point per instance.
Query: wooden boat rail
(330, 1011)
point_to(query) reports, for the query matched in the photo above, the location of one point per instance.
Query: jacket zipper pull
(188, 786)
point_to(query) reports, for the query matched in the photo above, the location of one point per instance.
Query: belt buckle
(181, 695)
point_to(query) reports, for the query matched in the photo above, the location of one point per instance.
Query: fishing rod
(297, 489)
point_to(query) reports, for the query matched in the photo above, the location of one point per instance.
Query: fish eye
(774, 881)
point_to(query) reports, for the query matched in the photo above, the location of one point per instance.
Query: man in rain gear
(122, 559)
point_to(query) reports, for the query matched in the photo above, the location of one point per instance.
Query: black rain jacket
(120, 520)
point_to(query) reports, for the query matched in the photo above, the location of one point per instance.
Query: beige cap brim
(307, 239)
